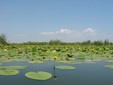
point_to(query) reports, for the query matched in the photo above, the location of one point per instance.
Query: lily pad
(65, 67)
(40, 75)
(32, 62)
(109, 66)
(9, 72)
(13, 67)
(0, 63)
(111, 61)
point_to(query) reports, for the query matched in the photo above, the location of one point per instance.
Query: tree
(98, 42)
(55, 42)
(3, 39)
(86, 42)
(106, 42)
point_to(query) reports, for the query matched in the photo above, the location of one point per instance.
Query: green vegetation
(65, 67)
(40, 75)
(109, 66)
(0, 63)
(66, 52)
(3, 39)
(13, 67)
(8, 72)
(86, 52)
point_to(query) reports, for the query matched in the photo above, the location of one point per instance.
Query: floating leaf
(9, 72)
(1, 67)
(40, 75)
(32, 62)
(65, 67)
(13, 67)
(0, 63)
(111, 61)
(109, 66)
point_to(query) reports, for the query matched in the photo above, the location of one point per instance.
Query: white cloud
(61, 31)
(71, 35)
(90, 31)
(48, 33)
(71, 32)
(66, 35)
(65, 31)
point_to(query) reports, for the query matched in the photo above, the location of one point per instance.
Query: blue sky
(67, 20)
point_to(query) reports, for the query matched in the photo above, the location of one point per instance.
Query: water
(85, 74)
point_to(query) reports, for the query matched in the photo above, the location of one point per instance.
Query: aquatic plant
(111, 61)
(13, 67)
(65, 67)
(109, 66)
(40, 75)
(0, 63)
(32, 62)
(9, 72)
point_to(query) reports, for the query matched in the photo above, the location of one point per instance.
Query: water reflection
(55, 76)
(54, 69)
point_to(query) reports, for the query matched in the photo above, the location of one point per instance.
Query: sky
(66, 20)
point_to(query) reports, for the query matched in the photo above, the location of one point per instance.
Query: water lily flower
(55, 57)
(43, 60)
(54, 51)
(5, 50)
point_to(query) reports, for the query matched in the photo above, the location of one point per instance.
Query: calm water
(85, 74)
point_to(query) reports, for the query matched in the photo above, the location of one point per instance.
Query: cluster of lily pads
(66, 53)
(10, 70)
(70, 54)
(42, 53)
(39, 75)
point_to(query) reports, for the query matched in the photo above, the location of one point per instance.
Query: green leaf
(32, 62)
(9, 72)
(111, 61)
(40, 75)
(109, 66)
(65, 67)
(13, 67)
(0, 63)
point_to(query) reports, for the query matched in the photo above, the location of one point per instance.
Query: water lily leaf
(9, 72)
(13, 67)
(65, 67)
(111, 61)
(32, 62)
(1, 67)
(0, 63)
(109, 66)
(40, 75)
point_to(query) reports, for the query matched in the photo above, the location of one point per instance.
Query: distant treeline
(59, 42)
(3, 41)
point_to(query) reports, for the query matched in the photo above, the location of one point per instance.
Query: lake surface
(85, 74)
